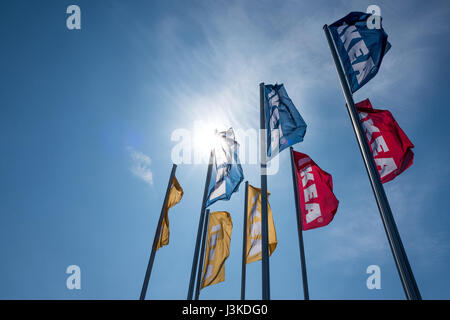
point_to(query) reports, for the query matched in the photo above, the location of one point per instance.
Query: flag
(175, 195)
(317, 202)
(227, 172)
(217, 249)
(390, 146)
(254, 237)
(361, 49)
(285, 126)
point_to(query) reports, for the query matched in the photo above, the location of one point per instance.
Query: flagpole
(264, 215)
(200, 226)
(244, 243)
(395, 242)
(202, 254)
(157, 235)
(299, 227)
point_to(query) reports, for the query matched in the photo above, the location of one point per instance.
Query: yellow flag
(175, 195)
(254, 235)
(217, 249)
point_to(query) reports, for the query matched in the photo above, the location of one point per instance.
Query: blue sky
(86, 118)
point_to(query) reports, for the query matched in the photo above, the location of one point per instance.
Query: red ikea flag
(390, 146)
(317, 201)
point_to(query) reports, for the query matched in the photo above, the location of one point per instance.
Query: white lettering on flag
(341, 28)
(306, 175)
(359, 49)
(213, 241)
(209, 271)
(384, 165)
(274, 119)
(212, 248)
(220, 190)
(362, 115)
(255, 228)
(274, 141)
(255, 247)
(276, 132)
(312, 209)
(211, 254)
(254, 213)
(363, 68)
(387, 166)
(379, 145)
(369, 128)
(349, 34)
(310, 192)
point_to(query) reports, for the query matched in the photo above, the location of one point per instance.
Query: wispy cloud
(362, 235)
(359, 232)
(233, 58)
(209, 70)
(215, 78)
(140, 166)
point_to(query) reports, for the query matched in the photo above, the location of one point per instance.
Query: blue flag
(361, 48)
(285, 126)
(227, 171)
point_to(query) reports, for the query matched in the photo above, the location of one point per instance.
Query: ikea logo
(359, 49)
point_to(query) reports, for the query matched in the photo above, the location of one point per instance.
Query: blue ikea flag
(285, 126)
(361, 48)
(226, 172)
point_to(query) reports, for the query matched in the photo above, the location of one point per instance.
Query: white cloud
(140, 166)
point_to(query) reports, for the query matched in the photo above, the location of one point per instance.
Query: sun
(205, 137)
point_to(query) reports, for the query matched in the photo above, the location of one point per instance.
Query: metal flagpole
(395, 242)
(202, 254)
(157, 235)
(244, 243)
(200, 226)
(299, 227)
(264, 215)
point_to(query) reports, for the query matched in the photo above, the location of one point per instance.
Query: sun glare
(205, 138)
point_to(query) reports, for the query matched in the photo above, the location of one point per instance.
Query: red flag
(390, 146)
(317, 202)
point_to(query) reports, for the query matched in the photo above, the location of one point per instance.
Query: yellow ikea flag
(217, 249)
(175, 195)
(254, 235)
